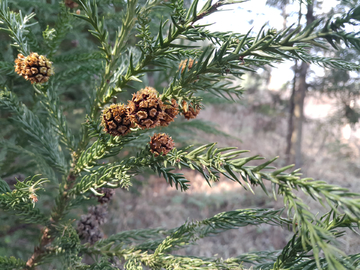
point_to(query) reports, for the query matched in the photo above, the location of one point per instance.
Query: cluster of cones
(146, 110)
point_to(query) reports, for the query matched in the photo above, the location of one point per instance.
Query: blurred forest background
(310, 119)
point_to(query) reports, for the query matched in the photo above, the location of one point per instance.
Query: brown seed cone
(116, 121)
(88, 229)
(183, 64)
(99, 213)
(71, 4)
(190, 111)
(18, 63)
(108, 193)
(161, 144)
(170, 112)
(145, 108)
(34, 68)
(88, 226)
(148, 89)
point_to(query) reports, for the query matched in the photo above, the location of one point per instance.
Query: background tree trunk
(296, 117)
(288, 154)
(299, 97)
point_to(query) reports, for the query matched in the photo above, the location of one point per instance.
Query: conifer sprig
(328, 62)
(22, 199)
(54, 36)
(162, 46)
(192, 231)
(131, 236)
(211, 161)
(267, 46)
(6, 68)
(111, 176)
(41, 163)
(51, 102)
(186, 235)
(91, 16)
(104, 147)
(16, 25)
(112, 55)
(11, 263)
(39, 134)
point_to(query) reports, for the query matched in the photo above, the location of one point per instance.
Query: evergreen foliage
(42, 138)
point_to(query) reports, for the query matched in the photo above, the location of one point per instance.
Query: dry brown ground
(327, 156)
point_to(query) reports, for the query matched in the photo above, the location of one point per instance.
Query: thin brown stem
(56, 215)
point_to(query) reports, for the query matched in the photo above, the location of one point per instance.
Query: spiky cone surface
(149, 89)
(190, 111)
(34, 68)
(71, 4)
(146, 108)
(116, 121)
(161, 144)
(170, 112)
(183, 64)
